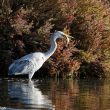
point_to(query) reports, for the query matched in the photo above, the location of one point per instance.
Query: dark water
(51, 94)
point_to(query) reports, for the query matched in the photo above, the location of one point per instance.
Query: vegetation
(25, 27)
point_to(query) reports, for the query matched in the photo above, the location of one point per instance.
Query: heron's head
(59, 34)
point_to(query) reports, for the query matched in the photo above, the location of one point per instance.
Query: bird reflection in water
(28, 95)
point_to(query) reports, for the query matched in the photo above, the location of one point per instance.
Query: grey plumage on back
(21, 67)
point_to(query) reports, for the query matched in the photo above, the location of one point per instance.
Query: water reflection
(51, 94)
(29, 95)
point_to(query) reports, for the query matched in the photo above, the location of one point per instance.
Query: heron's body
(30, 63)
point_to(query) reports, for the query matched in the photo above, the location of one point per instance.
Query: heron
(32, 62)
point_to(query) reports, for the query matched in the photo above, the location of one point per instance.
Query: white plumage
(30, 63)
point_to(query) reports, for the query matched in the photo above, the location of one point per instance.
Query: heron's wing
(21, 67)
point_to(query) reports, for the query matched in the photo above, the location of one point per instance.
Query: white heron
(30, 63)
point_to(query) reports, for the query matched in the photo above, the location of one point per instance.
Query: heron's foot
(30, 80)
(30, 76)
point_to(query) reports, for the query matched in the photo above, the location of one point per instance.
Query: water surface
(51, 94)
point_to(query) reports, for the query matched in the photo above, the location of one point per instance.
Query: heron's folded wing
(21, 67)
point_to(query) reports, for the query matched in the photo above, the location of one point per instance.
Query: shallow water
(51, 94)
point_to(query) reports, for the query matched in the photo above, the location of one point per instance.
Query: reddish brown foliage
(27, 25)
(62, 63)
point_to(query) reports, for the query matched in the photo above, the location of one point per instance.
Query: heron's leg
(30, 75)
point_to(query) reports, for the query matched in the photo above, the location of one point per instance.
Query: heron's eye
(43, 58)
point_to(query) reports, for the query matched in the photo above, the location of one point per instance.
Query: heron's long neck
(52, 48)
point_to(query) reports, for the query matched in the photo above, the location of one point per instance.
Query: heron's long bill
(68, 38)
